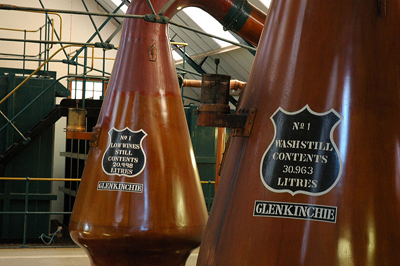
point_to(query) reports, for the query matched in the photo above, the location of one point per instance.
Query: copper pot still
(317, 181)
(140, 200)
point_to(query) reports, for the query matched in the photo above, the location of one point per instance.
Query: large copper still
(140, 201)
(318, 180)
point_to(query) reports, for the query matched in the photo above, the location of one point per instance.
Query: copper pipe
(237, 84)
(240, 16)
(220, 153)
(234, 84)
(191, 83)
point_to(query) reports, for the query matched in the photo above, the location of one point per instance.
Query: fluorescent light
(210, 25)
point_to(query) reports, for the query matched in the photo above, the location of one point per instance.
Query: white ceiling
(234, 61)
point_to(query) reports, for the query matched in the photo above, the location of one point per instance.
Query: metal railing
(26, 212)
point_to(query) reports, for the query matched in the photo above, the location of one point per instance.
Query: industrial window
(118, 2)
(93, 90)
(209, 24)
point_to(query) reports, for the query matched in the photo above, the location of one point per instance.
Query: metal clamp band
(237, 15)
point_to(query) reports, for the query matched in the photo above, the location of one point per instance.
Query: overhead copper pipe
(234, 84)
(240, 16)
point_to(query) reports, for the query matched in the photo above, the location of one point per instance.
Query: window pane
(209, 25)
(88, 94)
(97, 95)
(98, 86)
(77, 94)
(94, 90)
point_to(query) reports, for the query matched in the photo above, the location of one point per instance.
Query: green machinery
(204, 141)
(32, 111)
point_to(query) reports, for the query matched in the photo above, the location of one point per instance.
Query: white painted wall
(75, 28)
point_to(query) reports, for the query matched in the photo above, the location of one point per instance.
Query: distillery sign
(124, 155)
(295, 211)
(302, 157)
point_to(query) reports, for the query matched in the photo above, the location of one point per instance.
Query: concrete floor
(55, 257)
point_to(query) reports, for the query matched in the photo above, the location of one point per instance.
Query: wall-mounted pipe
(234, 84)
(24, 8)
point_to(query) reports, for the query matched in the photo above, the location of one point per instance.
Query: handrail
(26, 140)
(40, 94)
(92, 66)
(180, 43)
(48, 10)
(25, 213)
(64, 179)
(40, 28)
(12, 29)
(52, 13)
(52, 26)
(97, 57)
(34, 72)
(40, 179)
(22, 8)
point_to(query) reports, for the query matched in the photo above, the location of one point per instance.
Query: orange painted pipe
(220, 153)
(240, 16)
(233, 84)
(317, 181)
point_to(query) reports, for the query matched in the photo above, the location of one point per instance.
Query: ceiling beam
(222, 50)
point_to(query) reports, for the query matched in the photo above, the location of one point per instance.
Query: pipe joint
(156, 18)
(237, 15)
(69, 62)
(8, 7)
(107, 46)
